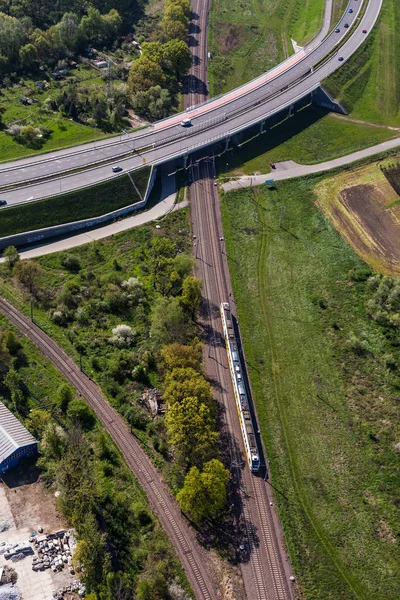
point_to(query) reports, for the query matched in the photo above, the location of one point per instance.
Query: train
(236, 367)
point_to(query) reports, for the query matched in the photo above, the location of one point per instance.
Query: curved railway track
(191, 554)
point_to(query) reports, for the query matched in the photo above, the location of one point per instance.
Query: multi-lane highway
(216, 120)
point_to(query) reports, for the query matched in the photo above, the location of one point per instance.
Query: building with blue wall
(15, 441)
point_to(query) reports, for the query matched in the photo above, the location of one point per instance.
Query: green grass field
(64, 132)
(247, 38)
(328, 415)
(66, 208)
(368, 84)
(309, 136)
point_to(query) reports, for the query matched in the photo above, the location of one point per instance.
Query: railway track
(191, 554)
(265, 568)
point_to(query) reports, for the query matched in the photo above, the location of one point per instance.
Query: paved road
(211, 122)
(295, 170)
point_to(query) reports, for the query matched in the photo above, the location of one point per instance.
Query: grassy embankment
(368, 85)
(326, 397)
(74, 206)
(248, 38)
(307, 137)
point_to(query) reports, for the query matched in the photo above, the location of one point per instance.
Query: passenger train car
(239, 388)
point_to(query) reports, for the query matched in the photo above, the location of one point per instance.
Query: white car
(186, 123)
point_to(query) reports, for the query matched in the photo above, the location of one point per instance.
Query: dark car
(346, 25)
(340, 58)
(337, 30)
(364, 31)
(350, 10)
(272, 165)
(3, 202)
(116, 169)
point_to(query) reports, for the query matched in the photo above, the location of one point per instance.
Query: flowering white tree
(123, 336)
(134, 287)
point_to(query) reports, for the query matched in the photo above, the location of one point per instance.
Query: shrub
(123, 336)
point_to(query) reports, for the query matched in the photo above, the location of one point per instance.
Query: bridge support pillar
(291, 107)
(227, 140)
(320, 97)
(185, 160)
(262, 126)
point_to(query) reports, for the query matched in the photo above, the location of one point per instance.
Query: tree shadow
(194, 28)
(192, 42)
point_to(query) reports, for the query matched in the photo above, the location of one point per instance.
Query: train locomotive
(239, 388)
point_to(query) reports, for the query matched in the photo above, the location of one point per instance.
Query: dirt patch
(229, 37)
(30, 503)
(365, 209)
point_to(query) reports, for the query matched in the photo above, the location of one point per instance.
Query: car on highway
(350, 10)
(3, 202)
(340, 58)
(272, 165)
(337, 30)
(116, 169)
(364, 31)
(346, 25)
(186, 123)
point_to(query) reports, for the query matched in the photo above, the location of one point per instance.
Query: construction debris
(54, 551)
(4, 525)
(75, 586)
(9, 592)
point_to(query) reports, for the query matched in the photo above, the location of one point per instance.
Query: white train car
(239, 388)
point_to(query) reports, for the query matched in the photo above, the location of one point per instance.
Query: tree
(12, 35)
(92, 25)
(80, 413)
(112, 23)
(28, 56)
(144, 74)
(178, 56)
(168, 323)
(11, 257)
(191, 293)
(13, 382)
(154, 104)
(191, 430)
(65, 395)
(30, 275)
(182, 382)
(12, 343)
(180, 356)
(90, 556)
(204, 493)
(37, 422)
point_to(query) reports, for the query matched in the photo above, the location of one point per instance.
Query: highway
(212, 121)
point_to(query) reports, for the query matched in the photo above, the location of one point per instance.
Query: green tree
(191, 293)
(204, 493)
(90, 556)
(180, 356)
(12, 343)
(11, 257)
(155, 103)
(168, 323)
(30, 275)
(28, 56)
(177, 55)
(37, 422)
(12, 35)
(185, 381)
(144, 74)
(191, 430)
(112, 23)
(92, 25)
(65, 395)
(13, 382)
(80, 413)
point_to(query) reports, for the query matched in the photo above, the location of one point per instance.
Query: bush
(79, 412)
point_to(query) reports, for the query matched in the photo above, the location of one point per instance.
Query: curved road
(192, 556)
(211, 122)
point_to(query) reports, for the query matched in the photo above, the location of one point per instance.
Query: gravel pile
(5, 525)
(9, 592)
(75, 586)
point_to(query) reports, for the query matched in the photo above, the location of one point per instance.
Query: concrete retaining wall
(38, 235)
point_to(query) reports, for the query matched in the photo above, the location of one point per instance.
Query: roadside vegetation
(368, 84)
(321, 343)
(126, 307)
(90, 202)
(248, 38)
(66, 72)
(311, 135)
(122, 549)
